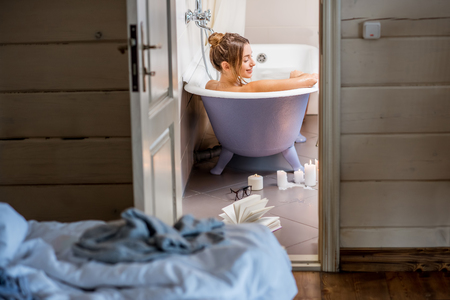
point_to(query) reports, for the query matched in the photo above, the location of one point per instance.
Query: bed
(250, 265)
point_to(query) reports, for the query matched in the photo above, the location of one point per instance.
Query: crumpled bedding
(138, 237)
(13, 288)
(252, 265)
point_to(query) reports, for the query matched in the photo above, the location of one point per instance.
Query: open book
(250, 210)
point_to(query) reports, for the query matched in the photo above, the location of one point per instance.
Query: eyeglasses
(242, 192)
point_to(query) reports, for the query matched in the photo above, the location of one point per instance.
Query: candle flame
(310, 162)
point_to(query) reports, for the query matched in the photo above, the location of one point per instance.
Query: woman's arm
(302, 81)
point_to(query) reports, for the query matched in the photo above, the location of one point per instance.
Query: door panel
(163, 192)
(153, 108)
(159, 57)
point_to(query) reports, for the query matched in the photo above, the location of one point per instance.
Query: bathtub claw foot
(224, 159)
(300, 138)
(290, 154)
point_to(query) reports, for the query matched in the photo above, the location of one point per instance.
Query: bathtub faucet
(200, 18)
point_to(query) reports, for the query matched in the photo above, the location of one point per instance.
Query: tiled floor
(207, 194)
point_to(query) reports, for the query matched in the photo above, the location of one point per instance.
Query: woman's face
(247, 62)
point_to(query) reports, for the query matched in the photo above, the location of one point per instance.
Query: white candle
(282, 179)
(256, 181)
(310, 174)
(298, 176)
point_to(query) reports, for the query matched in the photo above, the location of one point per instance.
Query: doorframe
(176, 92)
(329, 134)
(329, 143)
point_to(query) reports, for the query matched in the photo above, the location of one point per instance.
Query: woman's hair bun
(215, 39)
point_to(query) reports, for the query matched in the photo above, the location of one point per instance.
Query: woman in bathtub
(231, 55)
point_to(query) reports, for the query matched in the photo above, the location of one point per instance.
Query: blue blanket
(14, 288)
(139, 238)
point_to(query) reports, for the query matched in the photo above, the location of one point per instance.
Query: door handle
(146, 47)
(151, 73)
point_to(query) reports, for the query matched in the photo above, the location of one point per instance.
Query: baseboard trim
(394, 259)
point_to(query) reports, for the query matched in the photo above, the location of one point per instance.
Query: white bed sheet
(252, 265)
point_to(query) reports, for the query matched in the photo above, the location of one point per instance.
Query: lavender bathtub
(260, 124)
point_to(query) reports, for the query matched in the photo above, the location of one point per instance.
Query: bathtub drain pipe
(207, 154)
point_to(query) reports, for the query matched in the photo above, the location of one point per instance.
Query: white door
(152, 69)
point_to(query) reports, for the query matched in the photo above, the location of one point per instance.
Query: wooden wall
(65, 147)
(395, 125)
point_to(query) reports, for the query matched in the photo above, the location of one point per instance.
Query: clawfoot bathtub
(255, 124)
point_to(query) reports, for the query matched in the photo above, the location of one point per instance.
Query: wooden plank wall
(395, 125)
(65, 146)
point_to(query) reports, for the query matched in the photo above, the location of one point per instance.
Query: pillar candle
(310, 174)
(298, 176)
(256, 181)
(282, 179)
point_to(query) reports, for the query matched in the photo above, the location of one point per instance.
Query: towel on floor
(139, 238)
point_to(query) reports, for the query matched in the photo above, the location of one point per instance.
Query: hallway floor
(379, 286)
(205, 194)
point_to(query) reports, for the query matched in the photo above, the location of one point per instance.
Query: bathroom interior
(205, 194)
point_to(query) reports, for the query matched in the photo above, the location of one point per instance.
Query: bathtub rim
(197, 81)
(196, 90)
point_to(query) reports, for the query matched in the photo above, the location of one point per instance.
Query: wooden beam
(63, 67)
(69, 203)
(90, 114)
(395, 204)
(397, 8)
(47, 21)
(57, 161)
(395, 61)
(418, 109)
(399, 27)
(395, 157)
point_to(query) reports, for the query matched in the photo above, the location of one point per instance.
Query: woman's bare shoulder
(212, 85)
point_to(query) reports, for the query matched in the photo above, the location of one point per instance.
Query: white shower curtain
(228, 15)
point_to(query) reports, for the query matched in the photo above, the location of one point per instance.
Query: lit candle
(282, 179)
(298, 176)
(256, 181)
(310, 174)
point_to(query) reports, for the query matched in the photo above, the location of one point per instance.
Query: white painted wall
(194, 122)
(284, 22)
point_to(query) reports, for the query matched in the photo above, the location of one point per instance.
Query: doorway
(205, 194)
(329, 138)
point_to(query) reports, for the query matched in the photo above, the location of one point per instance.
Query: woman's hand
(308, 79)
(296, 73)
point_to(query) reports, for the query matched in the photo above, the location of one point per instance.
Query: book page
(267, 220)
(226, 218)
(253, 207)
(240, 205)
(258, 214)
(230, 212)
(275, 225)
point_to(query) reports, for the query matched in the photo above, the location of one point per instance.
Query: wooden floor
(376, 286)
